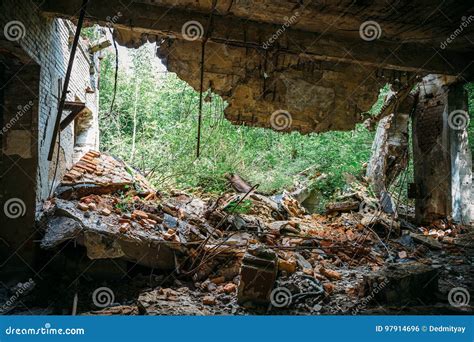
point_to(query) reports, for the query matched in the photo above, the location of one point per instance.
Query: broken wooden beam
(102, 44)
(76, 108)
(342, 207)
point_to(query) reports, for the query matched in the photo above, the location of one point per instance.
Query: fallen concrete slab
(402, 283)
(103, 238)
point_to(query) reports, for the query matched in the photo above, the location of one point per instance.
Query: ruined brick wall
(432, 168)
(461, 155)
(442, 157)
(48, 42)
(34, 54)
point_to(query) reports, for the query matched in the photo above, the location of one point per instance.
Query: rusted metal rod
(66, 80)
(203, 52)
(207, 34)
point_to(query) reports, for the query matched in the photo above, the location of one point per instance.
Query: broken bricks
(209, 300)
(288, 266)
(82, 206)
(257, 276)
(330, 274)
(158, 231)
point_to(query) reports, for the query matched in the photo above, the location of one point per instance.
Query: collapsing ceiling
(303, 94)
(293, 65)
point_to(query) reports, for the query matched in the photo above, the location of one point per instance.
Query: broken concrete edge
(401, 284)
(63, 222)
(81, 190)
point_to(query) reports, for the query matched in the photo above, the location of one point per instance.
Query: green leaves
(239, 208)
(167, 130)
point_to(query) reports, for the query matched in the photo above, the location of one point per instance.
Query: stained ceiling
(310, 66)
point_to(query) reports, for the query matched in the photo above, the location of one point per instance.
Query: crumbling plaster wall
(34, 56)
(461, 155)
(442, 158)
(48, 43)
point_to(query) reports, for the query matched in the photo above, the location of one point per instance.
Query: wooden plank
(76, 108)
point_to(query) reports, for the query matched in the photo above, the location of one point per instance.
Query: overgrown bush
(162, 110)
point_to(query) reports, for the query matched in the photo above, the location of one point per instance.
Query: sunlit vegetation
(153, 126)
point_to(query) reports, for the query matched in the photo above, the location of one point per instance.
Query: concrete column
(461, 159)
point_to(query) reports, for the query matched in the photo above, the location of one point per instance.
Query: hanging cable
(203, 51)
(116, 73)
(201, 86)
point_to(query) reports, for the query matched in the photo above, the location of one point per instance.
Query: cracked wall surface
(32, 65)
(315, 62)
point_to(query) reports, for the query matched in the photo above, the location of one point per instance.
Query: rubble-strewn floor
(113, 245)
(163, 295)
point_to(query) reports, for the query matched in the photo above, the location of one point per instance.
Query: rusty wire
(221, 243)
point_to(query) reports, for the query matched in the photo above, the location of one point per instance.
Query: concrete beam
(169, 21)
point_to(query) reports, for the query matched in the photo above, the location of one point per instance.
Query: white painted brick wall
(46, 41)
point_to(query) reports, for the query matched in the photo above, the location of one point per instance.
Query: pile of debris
(245, 248)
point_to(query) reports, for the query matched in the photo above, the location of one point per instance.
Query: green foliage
(166, 130)
(124, 202)
(239, 208)
(377, 107)
(90, 33)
